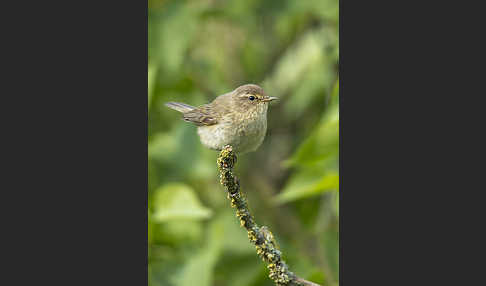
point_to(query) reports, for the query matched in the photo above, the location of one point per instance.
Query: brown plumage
(237, 118)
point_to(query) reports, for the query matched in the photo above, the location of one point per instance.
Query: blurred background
(201, 49)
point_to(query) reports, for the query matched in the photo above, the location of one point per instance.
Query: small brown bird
(237, 118)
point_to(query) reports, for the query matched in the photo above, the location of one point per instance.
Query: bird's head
(251, 97)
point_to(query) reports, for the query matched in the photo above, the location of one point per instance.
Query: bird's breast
(244, 132)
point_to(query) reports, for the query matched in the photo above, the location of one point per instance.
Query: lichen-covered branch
(261, 237)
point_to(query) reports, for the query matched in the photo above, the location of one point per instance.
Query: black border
(78, 153)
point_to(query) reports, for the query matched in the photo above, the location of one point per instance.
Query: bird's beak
(269, 98)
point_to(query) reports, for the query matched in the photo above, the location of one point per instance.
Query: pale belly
(243, 139)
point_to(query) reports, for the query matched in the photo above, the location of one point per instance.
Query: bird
(237, 118)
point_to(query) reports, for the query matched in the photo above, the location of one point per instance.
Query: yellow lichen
(262, 238)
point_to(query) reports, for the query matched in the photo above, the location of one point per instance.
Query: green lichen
(261, 237)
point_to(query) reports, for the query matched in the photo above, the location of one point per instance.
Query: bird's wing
(201, 116)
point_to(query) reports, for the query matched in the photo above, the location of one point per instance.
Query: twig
(261, 237)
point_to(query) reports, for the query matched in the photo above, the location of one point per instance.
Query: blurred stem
(261, 237)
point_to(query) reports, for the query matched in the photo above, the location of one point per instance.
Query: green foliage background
(198, 50)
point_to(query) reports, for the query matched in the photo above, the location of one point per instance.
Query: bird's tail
(181, 107)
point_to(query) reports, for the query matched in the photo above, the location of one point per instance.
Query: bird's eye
(251, 97)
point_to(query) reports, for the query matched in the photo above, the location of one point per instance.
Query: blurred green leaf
(186, 231)
(153, 179)
(316, 276)
(330, 242)
(305, 184)
(320, 146)
(335, 93)
(152, 73)
(197, 271)
(294, 64)
(161, 271)
(244, 270)
(177, 201)
(309, 89)
(150, 228)
(323, 143)
(175, 27)
(336, 205)
(162, 146)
